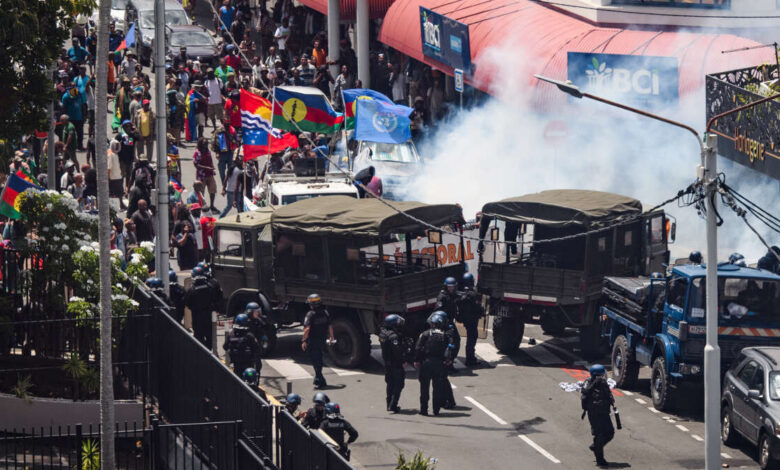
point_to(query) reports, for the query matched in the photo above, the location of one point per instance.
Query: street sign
(459, 80)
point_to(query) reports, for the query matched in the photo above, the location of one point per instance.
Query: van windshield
(172, 17)
(402, 153)
(741, 300)
(289, 199)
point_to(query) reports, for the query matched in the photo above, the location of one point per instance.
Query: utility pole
(51, 171)
(107, 419)
(163, 248)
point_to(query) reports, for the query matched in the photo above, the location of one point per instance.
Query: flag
(381, 122)
(9, 199)
(177, 188)
(190, 123)
(25, 175)
(307, 107)
(350, 98)
(258, 136)
(129, 40)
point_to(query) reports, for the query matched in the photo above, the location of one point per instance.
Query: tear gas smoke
(498, 150)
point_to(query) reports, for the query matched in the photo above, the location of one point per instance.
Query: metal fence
(300, 449)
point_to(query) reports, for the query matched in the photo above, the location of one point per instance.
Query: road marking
(504, 365)
(681, 427)
(342, 372)
(640, 401)
(488, 352)
(288, 368)
(627, 393)
(698, 438)
(541, 354)
(725, 455)
(452, 385)
(538, 448)
(651, 408)
(486, 411)
(376, 354)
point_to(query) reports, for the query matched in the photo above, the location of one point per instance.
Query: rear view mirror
(673, 232)
(754, 394)
(494, 234)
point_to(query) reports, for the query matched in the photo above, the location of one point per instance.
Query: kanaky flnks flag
(129, 40)
(258, 136)
(350, 101)
(377, 121)
(190, 122)
(10, 199)
(307, 107)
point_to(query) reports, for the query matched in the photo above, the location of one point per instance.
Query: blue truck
(659, 322)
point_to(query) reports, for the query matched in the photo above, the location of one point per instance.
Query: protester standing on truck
(394, 354)
(469, 313)
(316, 329)
(597, 400)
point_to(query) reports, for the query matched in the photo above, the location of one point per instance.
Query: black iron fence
(300, 449)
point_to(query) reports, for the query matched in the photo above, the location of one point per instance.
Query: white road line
(342, 372)
(504, 365)
(652, 408)
(486, 411)
(698, 438)
(541, 354)
(725, 455)
(488, 352)
(627, 393)
(376, 354)
(538, 448)
(288, 368)
(681, 427)
(453, 385)
(640, 401)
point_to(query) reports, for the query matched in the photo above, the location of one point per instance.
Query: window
(191, 38)
(656, 230)
(676, 293)
(676, 3)
(401, 153)
(741, 300)
(228, 242)
(774, 385)
(758, 380)
(746, 374)
(290, 198)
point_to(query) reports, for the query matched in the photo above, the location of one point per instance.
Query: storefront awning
(376, 8)
(536, 39)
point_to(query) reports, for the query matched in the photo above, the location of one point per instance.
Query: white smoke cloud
(498, 150)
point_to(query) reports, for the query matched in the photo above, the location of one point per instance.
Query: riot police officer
(448, 298)
(453, 346)
(395, 353)
(177, 295)
(155, 285)
(257, 325)
(431, 352)
(469, 313)
(200, 298)
(291, 404)
(316, 330)
(334, 425)
(316, 414)
(596, 402)
(252, 378)
(242, 345)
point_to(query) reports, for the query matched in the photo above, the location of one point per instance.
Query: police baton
(584, 412)
(617, 418)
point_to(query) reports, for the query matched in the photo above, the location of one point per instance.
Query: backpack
(240, 348)
(598, 393)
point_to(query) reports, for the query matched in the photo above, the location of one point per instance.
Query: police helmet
(450, 282)
(597, 369)
(320, 399)
(333, 409)
(394, 321)
(251, 307)
(250, 376)
(154, 283)
(197, 271)
(172, 277)
(436, 320)
(695, 257)
(468, 279)
(205, 266)
(293, 399)
(242, 320)
(737, 259)
(314, 300)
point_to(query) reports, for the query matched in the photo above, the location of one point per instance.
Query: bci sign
(643, 81)
(445, 40)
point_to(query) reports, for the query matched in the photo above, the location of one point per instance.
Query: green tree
(32, 36)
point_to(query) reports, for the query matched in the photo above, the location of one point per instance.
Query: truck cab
(305, 182)
(660, 322)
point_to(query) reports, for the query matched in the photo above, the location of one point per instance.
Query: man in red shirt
(204, 230)
(233, 111)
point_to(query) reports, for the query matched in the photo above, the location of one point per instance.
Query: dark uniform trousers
(602, 430)
(201, 326)
(316, 348)
(471, 338)
(394, 380)
(432, 370)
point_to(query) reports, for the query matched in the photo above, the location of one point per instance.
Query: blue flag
(351, 95)
(376, 121)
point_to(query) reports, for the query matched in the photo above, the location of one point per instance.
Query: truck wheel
(507, 334)
(352, 345)
(660, 388)
(551, 324)
(625, 368)
(728, 435)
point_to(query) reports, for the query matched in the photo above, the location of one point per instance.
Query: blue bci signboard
(445, 40)
(643, 81)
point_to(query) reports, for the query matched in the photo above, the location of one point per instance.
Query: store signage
(747, 148)
(644, 81)
(445, 40)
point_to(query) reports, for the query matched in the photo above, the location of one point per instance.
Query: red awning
(537, 39)
(376, 8)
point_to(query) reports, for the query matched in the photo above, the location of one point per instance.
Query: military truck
(334, 246)
(557, 281)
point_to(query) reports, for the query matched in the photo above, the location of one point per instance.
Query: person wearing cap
(128, 65)
(213, 85)
(69, 138)
(67, 178)
(306, 71)
(144, 121)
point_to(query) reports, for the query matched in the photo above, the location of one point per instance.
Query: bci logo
(432, 33)
(640, 81)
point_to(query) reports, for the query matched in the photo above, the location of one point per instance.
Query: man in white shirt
(398, 82)
(115, 187)
(281, 35)
(214, 87)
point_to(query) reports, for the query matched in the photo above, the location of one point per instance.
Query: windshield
(191, 38)
(774, 385)
(172, 17)
(289, 199)
(741, 300)
(119, 4)
(403, 153)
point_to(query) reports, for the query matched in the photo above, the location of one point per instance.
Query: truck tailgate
(534, 284)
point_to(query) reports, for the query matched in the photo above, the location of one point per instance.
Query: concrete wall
(44, 412)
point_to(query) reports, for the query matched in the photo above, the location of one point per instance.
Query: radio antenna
(760, 46)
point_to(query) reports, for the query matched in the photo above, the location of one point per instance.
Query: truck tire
(728, 434)
(507, 334)
(352, 346)
(625, 368)
(551, 324)
(660, 388)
